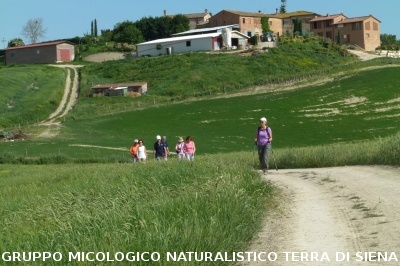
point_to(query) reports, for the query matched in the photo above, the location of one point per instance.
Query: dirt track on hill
(68, 101)
(331, 210)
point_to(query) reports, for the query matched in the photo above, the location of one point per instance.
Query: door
(65, 55)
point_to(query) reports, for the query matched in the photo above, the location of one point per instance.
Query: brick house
(322, 26)
(40, 53)
(196, 20)
(363, 32)
(249, 22)
(283, 23)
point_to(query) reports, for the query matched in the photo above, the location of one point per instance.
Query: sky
(67, 19)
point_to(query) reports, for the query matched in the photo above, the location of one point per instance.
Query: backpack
(258, 132)
(179, 147)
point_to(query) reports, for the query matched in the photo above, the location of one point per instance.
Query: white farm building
(211, 41)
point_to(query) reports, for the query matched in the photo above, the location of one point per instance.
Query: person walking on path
(159, 150)
(134, 150)
(142, 153)
(263, 139)
(189, 148)
(179, 149)
(165, 144)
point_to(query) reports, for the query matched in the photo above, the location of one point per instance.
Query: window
(357, 26)
(327, 23)
(37, 51)
(188, 43)
(243, 20)
(270, 23)
(367, 25)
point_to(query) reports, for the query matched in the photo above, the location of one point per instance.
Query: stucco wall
(202, 44)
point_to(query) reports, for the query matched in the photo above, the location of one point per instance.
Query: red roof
(38, 45)
(327, 17)
(357, 19)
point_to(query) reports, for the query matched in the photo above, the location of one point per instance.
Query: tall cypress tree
(95, 28)
(283, 6)
(91, 28)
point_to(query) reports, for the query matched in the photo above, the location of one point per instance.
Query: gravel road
(335, 216)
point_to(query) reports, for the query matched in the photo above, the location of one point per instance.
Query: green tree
(127, 32)
(297, 27)
(91, 28)
(265, 24)
(179, 23)
(283, 6)
(95, 28)
(15, 42)
(388, 41)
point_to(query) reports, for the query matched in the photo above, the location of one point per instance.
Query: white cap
(263, 119)
(136, 141)
(158, 137)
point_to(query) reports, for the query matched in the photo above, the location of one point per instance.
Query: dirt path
(330, 210)
(68, 101)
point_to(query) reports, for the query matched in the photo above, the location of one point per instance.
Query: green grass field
(212, 205)
(29, 93)
(362, 106)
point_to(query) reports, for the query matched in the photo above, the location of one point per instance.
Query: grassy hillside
(29, 93)
(195, 74)
(362, 106)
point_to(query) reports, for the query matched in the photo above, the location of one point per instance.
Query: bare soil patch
(331, 210)
(101, 57)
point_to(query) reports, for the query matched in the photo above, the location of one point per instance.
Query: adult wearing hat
(263, 139)
(179, 149)
(159, 150)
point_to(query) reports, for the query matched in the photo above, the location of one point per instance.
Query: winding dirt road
(335, 216)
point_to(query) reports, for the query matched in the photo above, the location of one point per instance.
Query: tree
(283, 6)
(388, 41)
(34, 30)
(265, 24)
(297, 27)
(127, 32)
(95, 28)
(15, 42)
(91, 28)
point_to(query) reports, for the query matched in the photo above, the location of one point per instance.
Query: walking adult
(263, 139)
(159, 150)
(142, 153)
(134, 150)
(179, 149)
(189, 148)
(165, 144)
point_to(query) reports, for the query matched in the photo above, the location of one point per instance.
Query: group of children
(184, 149)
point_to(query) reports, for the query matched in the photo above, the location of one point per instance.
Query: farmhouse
(196, 20)
(40, 53)
(363, 32)
(283, 23)
(207, 39)
(120, 89)
(250, 22)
